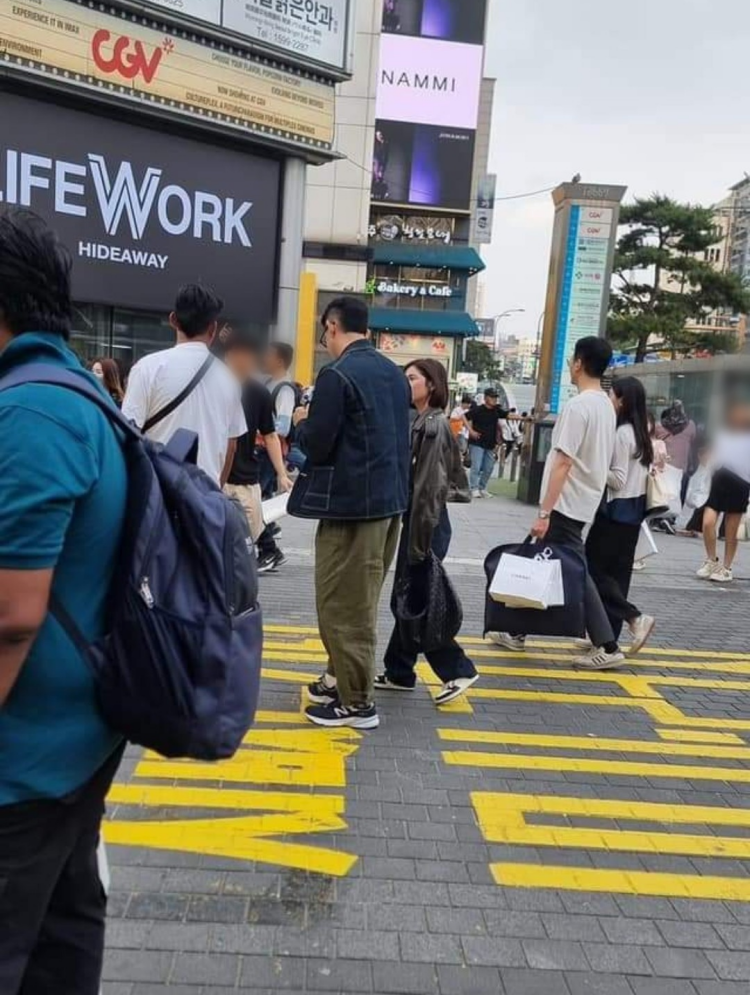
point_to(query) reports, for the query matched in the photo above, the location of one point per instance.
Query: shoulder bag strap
(181, 397)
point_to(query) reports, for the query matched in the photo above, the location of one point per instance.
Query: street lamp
(498, 318)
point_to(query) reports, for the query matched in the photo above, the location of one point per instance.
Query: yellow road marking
(595, 744)
(502, 819)
(622, 882)
(639, 685)
(516, 761)
(690, 736)
(277, 718)
(163, 796)
(290, 676)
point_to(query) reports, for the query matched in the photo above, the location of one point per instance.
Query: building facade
(394, 223)
(168, 149)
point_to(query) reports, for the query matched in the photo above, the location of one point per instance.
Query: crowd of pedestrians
(371, 455)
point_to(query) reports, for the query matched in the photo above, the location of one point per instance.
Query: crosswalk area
(631, 782)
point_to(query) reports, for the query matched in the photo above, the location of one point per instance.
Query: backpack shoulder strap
(278, 389)
(184, 394)
(57, 376)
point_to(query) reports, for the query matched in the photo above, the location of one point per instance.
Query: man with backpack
(63, 488)
(284, 398)
(355, 435)
(187, 387)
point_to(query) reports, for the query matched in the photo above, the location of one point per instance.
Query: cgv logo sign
(127, 58)
(127, 202)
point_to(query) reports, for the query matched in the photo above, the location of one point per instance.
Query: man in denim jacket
(355, 435)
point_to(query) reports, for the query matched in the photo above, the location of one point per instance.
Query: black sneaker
(384, 683)
(322, 693)
(271, 562)
(337, 716)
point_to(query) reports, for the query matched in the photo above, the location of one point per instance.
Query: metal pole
(290, 256)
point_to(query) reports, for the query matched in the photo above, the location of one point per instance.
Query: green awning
(457, 257)
(385, 319)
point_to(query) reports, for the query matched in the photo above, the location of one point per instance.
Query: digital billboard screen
(448, 20)
(429, 82)
(421, 164)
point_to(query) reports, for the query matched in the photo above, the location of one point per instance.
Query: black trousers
(52, 904)
(568, 532)
(448, 662)
(610, 552)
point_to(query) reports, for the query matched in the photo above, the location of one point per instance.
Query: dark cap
(491, 392)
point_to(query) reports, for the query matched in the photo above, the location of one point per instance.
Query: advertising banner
(484, 211)
(449, 20)
(429, 82)
(89, 49)
(423, 165)
(429, 87)
(314, 30)
(143, 212)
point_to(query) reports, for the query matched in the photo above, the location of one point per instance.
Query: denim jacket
(356, 439)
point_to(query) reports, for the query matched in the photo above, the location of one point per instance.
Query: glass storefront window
(123, 334)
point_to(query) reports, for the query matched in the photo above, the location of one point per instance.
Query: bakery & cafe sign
(392, 289)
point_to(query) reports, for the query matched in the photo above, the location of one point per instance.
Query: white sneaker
(454, 689)
(600, 660)
(722, 575)
(486, 494)
(477, 495)
(583, 644)
(641, 628)
(508, 642)
(708, 569)
(639, 565)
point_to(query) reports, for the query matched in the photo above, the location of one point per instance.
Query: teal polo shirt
(62, 506)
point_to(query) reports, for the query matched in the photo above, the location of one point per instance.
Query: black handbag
(426, 607)
(565, 620)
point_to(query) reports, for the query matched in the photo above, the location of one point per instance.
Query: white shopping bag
(646, 543)
(275, 508)
(528, 583)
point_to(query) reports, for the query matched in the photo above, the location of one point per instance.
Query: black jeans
(52, 904)
(449, 662)
(568, 532)
(610, 552)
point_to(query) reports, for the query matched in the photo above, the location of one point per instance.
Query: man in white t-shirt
(186, 387)
(575, 477)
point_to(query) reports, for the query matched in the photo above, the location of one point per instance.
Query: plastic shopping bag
(646, 544)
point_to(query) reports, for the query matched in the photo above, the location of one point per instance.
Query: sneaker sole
(369, 723)
(611, 665)
(721, 580)
(507, 646)
(447, 699)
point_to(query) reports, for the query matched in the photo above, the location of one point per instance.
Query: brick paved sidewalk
(558, 833)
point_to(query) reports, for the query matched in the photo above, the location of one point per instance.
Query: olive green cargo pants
(352, 560)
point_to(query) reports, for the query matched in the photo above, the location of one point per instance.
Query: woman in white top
(730, 494)
(612, 541)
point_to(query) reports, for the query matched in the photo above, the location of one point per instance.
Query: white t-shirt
(732, 452)
(585, 431)
(283, 405)
(213, 410)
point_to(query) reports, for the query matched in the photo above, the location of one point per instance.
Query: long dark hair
(112, 379)
(437, 380)
(632, 396)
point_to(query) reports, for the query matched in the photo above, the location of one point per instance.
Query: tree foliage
(661, 283)
(481, 359)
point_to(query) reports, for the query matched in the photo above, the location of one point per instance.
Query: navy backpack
(179, 669)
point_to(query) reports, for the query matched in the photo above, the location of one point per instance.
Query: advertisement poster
(429, 88)
(484, 210)
(584, 291)
(448, 20)
(87, 49)
(143, 212)
(315, 30)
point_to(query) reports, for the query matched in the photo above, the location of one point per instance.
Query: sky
(652, 94)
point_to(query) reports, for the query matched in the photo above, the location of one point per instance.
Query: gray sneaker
(641, 628)
(508, 642)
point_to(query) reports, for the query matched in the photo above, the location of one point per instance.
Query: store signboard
(584, 295)
(143, 212)
(484, 210)
(313, 30)
(397, 228)
(429, 87)
(85, 48)
(396, 288)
